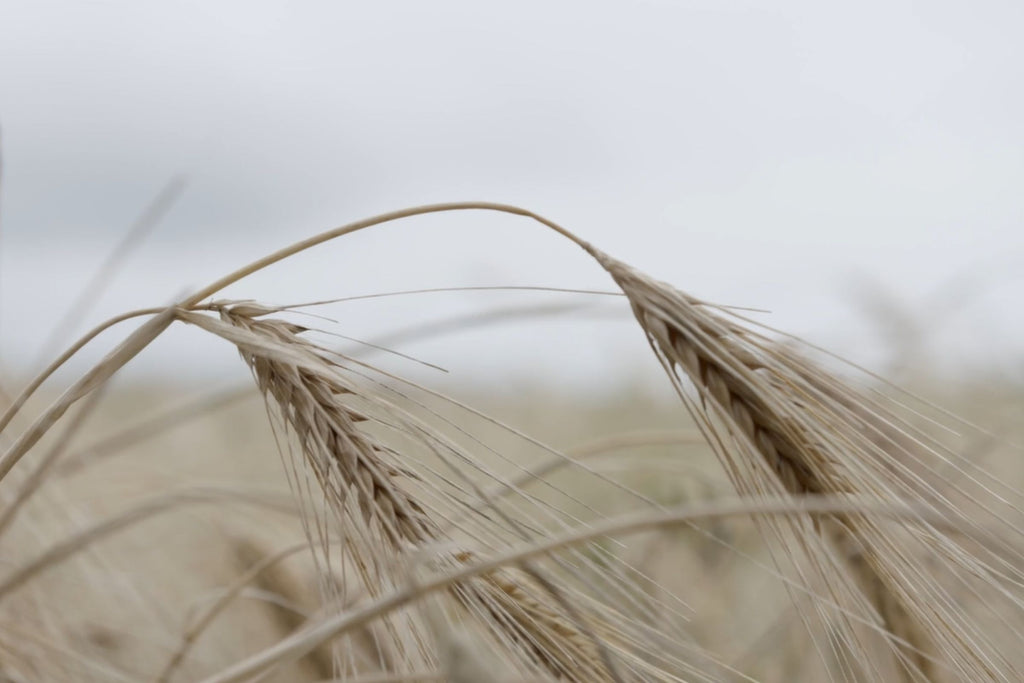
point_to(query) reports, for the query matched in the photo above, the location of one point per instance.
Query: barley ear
(779, 424)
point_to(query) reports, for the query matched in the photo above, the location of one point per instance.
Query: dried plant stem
(99, 374)
(42, 468)
(200, 623)
(19, 401)
(86, 537)
(88, 293)
(300, 246)
(301, 643)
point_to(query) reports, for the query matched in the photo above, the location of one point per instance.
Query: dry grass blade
(47, 462)
(151, 216)
(304, 641)
(86, 537)
(200, 622)
(99, 374)
(18, 402)
(148, 427)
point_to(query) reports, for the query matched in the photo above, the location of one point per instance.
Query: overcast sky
(801, 157)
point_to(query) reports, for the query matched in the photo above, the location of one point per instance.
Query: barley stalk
(303, 642)
(778, 424)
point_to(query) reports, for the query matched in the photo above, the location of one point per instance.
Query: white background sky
(779, 155)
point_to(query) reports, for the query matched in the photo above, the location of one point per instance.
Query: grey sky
(763, 154)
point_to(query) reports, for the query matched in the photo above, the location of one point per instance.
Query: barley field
(766, 513)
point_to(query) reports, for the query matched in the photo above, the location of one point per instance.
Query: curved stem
(99, 374)
(27, 392)
(329, 235)
(193, 631)
(192, 301)
(145, 334)
(305, 640)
